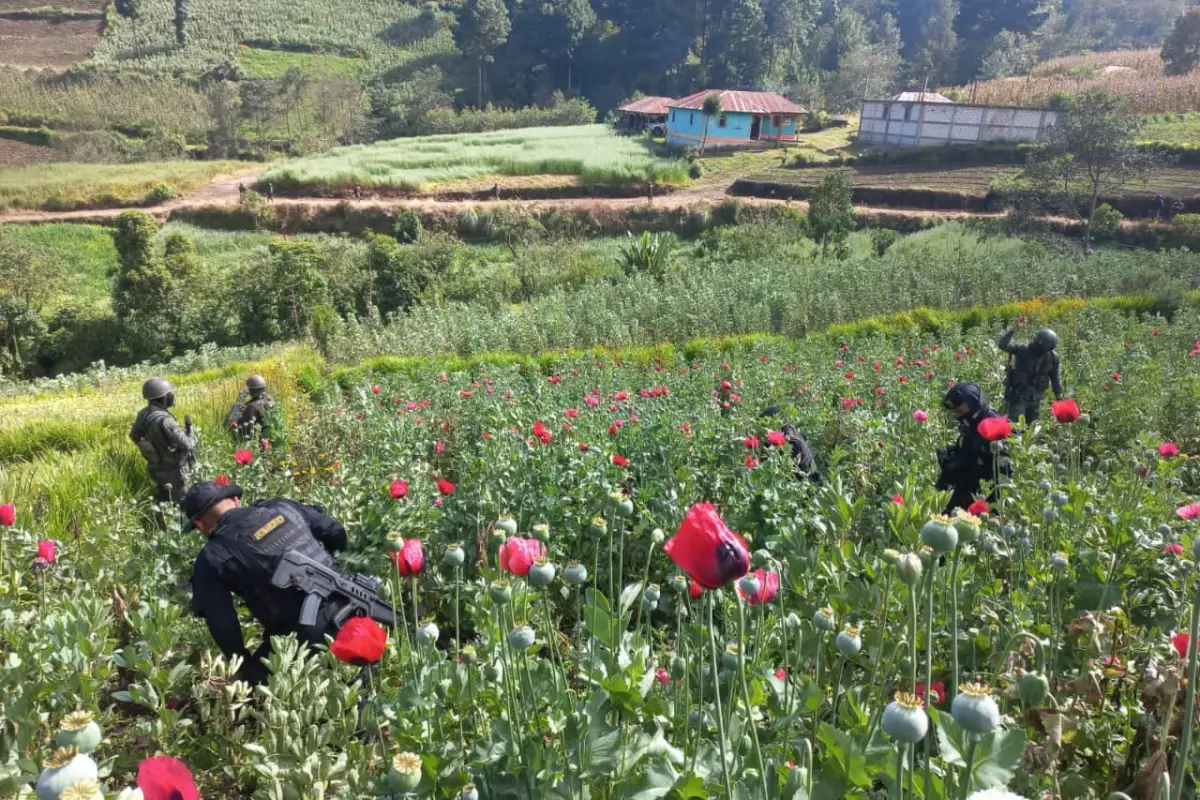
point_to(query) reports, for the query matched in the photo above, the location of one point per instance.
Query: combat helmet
(256, 383)
(157, 388)
(1045, 340)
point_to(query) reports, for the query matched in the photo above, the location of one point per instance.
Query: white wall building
(935, 124)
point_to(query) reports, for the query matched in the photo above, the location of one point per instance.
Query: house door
(755, 128)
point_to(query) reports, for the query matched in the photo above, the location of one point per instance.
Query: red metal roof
(744, 102)
(648, 105)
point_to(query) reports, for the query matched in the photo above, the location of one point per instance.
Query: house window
(722, 121)
(787, 120)
(692, 118)
(908, 113)
(775, 122)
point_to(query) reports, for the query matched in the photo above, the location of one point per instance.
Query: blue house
(746, 119)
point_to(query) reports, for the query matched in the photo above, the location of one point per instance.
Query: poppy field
(610, 582)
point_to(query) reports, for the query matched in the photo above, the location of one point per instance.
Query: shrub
(728, 213)
(161, 193)
(882, 240)
(816, 121)
(696, 171)
(1185, 232)
(650, 254)
(1106, 222)
(408, 227)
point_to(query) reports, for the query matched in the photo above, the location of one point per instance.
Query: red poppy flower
(939, 691)
(445, 487)
(751, 442)
(781, 674)
(1168, 449)
(1188, 512)
(1173, 549)
(707, 550)
(166, 778)
(620, 460)
(583, 447)
(517, 555)
(571, 413)
(898, 499)
(376, 389)
(978, 508)
(768, 587)
(409, 559)
(398, 490)
(360, 642)
(776, 439)
(1065, 411)
(46, 551)
(751, 462)
(439, 447)
(243, 457)
(695, 590)
(994, 429)
(1180, 640)
(849, 376)
(221, 480)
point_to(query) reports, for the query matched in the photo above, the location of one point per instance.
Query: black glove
(187, 424)
(252, 671)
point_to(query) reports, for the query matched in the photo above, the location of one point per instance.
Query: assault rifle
(359, 593)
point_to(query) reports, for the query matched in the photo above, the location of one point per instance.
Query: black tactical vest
(246, 548)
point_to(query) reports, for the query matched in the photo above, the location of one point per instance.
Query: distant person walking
(496, 192)
(1160, 207)
(270, 192)
(358, 191)
(650, 192)
(1177, 208)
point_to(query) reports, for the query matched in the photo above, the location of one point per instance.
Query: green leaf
(691, 789)
(629, 594)
(997, 754)
(655, 781)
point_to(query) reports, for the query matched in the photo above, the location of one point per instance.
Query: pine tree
(182, 14)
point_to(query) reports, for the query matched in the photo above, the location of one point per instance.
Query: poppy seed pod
(939, 534)
(428, 634)
(848, 642)
(454, 556)
(1045, 485)
(405, 774)
(622, 505)
(652, 593)
(1058, 561)
(1059, 499)
(760, 558)
(1033, 689)
(500, 592)
(82, 790)
(749, 584)
(575, 574)
(395, 541)
(890, 556)
(541, 532)
(507, 524)
(905, 719)
(680, 584)
(521, 637)
(909, 568)
(974, 709)
(967, 526)
(80, 731)
(66, 766)
(731, 658)
(598, 526)
(678, 669)
(657, 536)
(824, 620)
(541, 573)
(469, 792)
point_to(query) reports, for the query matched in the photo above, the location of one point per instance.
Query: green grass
(593, 152)
(1173, 128)
(87, 251)
(260, 63)
(67, 186)
(388, 35)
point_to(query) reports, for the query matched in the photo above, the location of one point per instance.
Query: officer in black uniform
(244, 545)
(806, 461)
(1032, 368)
(970, 461)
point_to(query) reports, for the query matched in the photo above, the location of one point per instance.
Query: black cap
(203, 496)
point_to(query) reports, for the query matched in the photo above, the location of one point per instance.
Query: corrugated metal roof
(921, 97)
(744, 102)
(647, 105)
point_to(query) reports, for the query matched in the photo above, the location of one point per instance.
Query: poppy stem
(897, 792)
(929, 669)
(816, 723)
(762, 766)
(1189, 721)
(712, 641)
(969, 770)
(954, 617)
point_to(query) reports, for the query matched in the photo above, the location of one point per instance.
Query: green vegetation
(87, 251)
(1173, 128)
(67, 186)
(260, 63)
(386, 35)
(593, 152)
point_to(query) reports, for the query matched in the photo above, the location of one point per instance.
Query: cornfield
(1149, 90)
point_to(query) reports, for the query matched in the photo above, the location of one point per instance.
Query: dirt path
(224, 192)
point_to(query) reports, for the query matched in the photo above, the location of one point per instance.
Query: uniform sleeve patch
(268, 529)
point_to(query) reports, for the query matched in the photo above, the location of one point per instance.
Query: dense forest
(825, 53)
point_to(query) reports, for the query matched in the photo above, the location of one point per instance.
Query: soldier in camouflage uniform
(248, 417)
(1032, 368)
(167, 448)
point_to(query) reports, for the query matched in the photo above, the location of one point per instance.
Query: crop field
(1173, 128)
(386, 35)
(46, 43)
(1135, 74)
(565, 626)
(262, 63)
(14, 153)
(594, 153)
(66, 186)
